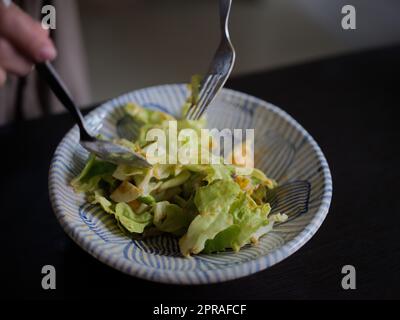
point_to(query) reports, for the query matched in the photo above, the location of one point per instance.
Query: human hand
(23, 42)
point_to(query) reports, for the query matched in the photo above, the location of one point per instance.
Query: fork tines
(210, 86)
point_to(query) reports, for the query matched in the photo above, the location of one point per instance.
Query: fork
(220, 68)
(105, 150)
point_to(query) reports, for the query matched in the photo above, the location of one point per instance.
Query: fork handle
(224, 12)
(52, 78)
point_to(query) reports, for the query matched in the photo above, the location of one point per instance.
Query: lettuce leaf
(250, 222)
(94, 170)
(124, 214)
(131, 221)
(124, 172)
(106, 205)
(170, 218)
(213, 202)
(176, 181)
(212, 172)
(194, 88)
(223, 240)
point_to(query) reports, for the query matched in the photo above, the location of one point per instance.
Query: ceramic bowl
(283, 150)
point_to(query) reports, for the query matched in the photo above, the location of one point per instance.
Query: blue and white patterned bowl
(283, 149)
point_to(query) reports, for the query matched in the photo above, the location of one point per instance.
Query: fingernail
(48, 53)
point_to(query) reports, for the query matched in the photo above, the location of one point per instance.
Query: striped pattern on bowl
(283, 150)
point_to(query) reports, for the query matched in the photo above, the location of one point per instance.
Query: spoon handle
(50, 75)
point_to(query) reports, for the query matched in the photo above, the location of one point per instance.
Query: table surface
(347, 103)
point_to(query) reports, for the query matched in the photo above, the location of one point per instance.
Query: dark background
(349, 105)
(159, 41)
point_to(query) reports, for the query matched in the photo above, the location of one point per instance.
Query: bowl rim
(197, 276)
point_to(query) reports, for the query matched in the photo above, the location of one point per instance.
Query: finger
(26, 34)
(12, 61)
(3, 77)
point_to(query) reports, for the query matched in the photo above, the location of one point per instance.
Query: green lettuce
(223, 240)
(105, 204)
(212, 172)
(127, 218)
(213, 202)
(94, 170)
(131, 221)
(170, 218)
(250, 221)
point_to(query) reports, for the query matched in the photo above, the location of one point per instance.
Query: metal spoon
(105, 150)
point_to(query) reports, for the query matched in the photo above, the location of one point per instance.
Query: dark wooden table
(348, 103)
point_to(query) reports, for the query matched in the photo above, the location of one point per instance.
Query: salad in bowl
(191, 222)
(208, 207)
